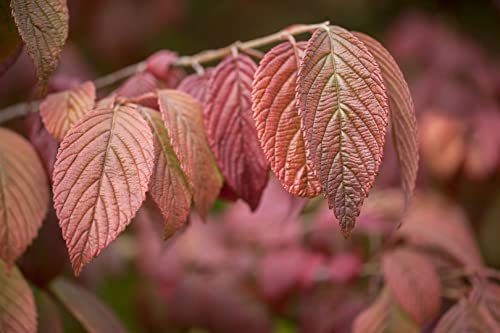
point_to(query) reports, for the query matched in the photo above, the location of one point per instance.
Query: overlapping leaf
(60, 111)
(402, 113)
(414, 282)
(43, 25)
(23, 195)
(343, 105)
(17, 306)
(196, 85)
(463, 317)
(100, 178)
(278, 122)
(168, 186)
(231, 128)
(183, 119)
(94, 316)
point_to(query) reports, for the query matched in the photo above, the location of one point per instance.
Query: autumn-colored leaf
(94, 315)
(231, 128)
(43, 25)
(62, 110)
(100, 178)
(278, 122)
(160, 62)
(17, 306)
(463, 317)
(138, 84)
(413, 282)
(487, 297)
(196, 84)
(183, 119)
(383, 316)
(343, 105)
(24, 194)
(168, 186)
(402, 113)
(49, 318)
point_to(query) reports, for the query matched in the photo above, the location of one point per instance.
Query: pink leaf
(160, 62)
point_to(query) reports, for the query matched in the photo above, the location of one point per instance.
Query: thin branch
(194, 61)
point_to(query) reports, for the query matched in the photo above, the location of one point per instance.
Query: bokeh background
(284, 268)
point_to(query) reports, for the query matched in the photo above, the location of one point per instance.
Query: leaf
(231, 128)
(196, 85)
(94, 315)
(17, 306)
(24, 195)
(137, 85)
(160, 62)
(343, 105)
(100, 178)
(168, 186)
(49, 318)
(463, 317)
(487, 297)
(60, 111)
(43, 25)
(278, 122)
(383, 316)
(402, 113)
(414, 282)
(183, 119)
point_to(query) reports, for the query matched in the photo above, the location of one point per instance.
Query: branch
(193, 61)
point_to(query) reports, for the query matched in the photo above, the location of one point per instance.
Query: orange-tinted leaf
(278, 122)
(402, 113)
(24, 194)
(43, 25)
(463, 317)
(343, 105)
(196, 85)
(49, 319)
(17, 306)
(62, 110)
(94, 315)
(414, 282)
(168, 186)
(231, 128)
(383, 316)
(183, 119)
(100, 178)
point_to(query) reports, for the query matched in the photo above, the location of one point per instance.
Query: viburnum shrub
(314, 111)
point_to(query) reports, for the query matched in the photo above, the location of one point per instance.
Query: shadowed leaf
(49, 318)
(196, 85)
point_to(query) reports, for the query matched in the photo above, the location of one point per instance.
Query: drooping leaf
(168, 186)
(343, 105)
(100, 178)
(383, 316)
(49, 318)
(17, 306)
(183, 119)
(402, 113)
(231, 128)
(24, 194)
(278, 122)
(43, 25)
(196, 85)
(414, 282)
(94, 315)
(60, 111)
(463, 317)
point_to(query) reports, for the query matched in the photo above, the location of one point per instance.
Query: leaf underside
(24, 195)
(278, 122)
(100, 178)
(343, 105)
(231, 128)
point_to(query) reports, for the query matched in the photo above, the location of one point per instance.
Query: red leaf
(414, 282)
(463, 317)
(402, 113)
(62, 110)
(43, 25)
(231, 128)
(168, 186)
(24, 195)
(183, 119)
(160, 62)
(343, 105)
(278, 122)
(17, 306)
(196, 85)
(138, 84)
(100, 179)
(94, 315)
